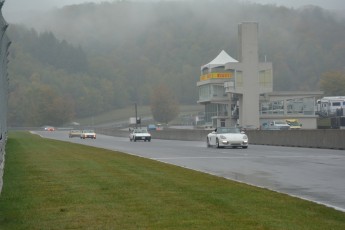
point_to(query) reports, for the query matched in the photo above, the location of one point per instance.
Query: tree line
(99, 57)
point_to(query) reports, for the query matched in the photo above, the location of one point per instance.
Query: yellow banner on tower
(215, 76)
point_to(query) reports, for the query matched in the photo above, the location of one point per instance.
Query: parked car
(248, 127)
(140, 134)
(294, 124)
(227, 137)
(152, 127)
(74, 133)
(275, 125)
(88, 133)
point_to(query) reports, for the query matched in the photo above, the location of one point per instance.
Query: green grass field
(57, 185)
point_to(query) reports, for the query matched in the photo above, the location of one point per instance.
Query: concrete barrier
(320, 138)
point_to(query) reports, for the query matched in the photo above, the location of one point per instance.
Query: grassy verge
(56, 185)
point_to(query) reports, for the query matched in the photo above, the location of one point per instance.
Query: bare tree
(164, 106)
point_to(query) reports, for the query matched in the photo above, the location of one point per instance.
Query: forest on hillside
(84, 60)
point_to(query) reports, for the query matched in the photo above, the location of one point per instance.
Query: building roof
(219, 61)
(296, 93)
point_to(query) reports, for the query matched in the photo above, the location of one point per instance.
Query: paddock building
(240, 92)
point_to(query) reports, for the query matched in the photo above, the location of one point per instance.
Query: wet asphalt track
(312, 174)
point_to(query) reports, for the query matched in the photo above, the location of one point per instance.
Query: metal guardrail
(4, 45)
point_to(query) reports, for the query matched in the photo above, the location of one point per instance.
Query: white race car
(227, 137)
(88, 133)
(140, 134)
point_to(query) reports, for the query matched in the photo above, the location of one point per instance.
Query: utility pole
(136, 116)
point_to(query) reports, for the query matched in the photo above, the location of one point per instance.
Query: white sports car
(88, 133)
(227, 137)
(139, 135)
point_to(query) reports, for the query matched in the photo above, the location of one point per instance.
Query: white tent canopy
(220, 60)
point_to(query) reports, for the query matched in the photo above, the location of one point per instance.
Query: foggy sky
(16, 11)
(327, 4)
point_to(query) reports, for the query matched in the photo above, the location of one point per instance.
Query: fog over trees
(93, 58)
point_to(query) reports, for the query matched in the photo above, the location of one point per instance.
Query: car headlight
(222, 137)
(245, 137)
